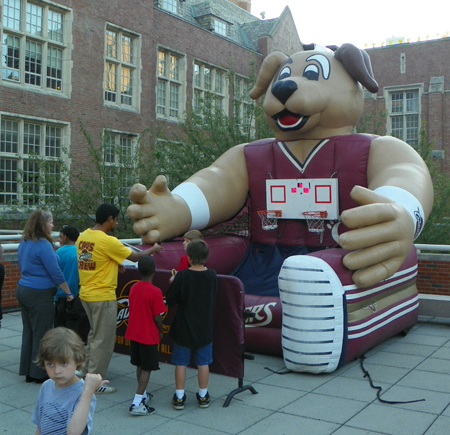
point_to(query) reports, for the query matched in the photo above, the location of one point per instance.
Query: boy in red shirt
(146, 306)
(188, 237)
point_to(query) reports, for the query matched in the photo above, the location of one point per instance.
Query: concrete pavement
(413, 367)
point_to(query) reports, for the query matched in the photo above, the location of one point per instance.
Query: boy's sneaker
(105, 389)
(203, 402)
(178, 404)
(141, 409)
(148, 398)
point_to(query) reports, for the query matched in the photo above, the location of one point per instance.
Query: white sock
(137, 399)
(179, 393)
(202, 392)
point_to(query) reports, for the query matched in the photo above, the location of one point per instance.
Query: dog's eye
(311, 72)
(284, 73)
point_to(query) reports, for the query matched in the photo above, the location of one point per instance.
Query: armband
(409, 202)
(197, 203)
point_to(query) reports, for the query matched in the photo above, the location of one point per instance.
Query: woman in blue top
(40, 274)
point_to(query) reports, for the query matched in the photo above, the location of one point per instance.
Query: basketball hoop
(269, 218)
(315, 221)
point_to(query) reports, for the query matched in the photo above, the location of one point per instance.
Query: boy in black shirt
(194, 291)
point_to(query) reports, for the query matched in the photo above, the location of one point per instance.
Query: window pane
(111, 44)
(208, 79)
(8, 181)
(397, 103)
(197, 76)
(126, 88)
(34, 19)
(11, 14)
(11, 58)
(174, 69)
(55, 26)
(30, 182)
(33, 62)
(170, 5)
(174, 91)
(53, 142)
(412, 101)
(162, 63)
(31, 139)
(9, 136)
(161, 98)
(54, 68)
(110, 82)
(127, 49)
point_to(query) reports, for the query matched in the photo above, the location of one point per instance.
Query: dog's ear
(268, 70)
(357, 63)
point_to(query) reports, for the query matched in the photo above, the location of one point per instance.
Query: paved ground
(342, 403)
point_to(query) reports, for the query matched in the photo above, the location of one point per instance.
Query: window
(32, 158)
(220, 27)
(169, 5)
(121, 52)
(404, 115)
(120, 161)
(33, 44)
(243, 105)
(170, 86)
(210, 88)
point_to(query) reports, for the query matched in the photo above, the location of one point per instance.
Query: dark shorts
(144, 355)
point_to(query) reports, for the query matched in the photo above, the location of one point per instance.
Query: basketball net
(315, 221)
(269, 218)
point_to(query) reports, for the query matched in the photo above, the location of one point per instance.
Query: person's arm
(79, 419)
(158, 323)
(135, 255)
(38, 432)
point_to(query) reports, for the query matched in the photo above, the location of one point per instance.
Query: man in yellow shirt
(99, 257)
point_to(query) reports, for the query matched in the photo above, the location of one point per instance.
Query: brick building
(414, 81)
(117, 65)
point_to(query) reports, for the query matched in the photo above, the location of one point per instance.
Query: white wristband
(409, 202)
(197, 203)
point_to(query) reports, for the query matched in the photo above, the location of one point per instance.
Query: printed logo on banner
(263, 315)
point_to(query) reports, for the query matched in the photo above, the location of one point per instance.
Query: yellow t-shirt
(99, 256)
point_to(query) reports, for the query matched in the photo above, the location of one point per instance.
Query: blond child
(66, 403)
(188, 237)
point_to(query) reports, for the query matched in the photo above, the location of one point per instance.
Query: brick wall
(433, 277)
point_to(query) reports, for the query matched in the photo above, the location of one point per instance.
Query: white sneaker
(141, 409)
(105, 389)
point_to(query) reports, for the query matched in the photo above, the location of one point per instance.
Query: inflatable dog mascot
(337, 302)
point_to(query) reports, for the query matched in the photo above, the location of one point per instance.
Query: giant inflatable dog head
(314, 94)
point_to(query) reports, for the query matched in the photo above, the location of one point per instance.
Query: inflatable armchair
(352, 286)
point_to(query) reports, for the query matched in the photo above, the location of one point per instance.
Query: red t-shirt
(184, 263)
(145, 302)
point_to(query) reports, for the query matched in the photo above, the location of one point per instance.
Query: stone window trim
(17, 155)
(50, 72)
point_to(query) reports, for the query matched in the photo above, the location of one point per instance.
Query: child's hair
(70, 232)
(193, 235)
(61, 344)
(198, 252)
(146, 266)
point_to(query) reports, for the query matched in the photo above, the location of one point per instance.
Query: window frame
(33, 143)
(117, 97)
(33, 33)
(168, 79)
(404, 115)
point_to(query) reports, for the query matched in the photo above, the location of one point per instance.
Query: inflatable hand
(158, 214)
(381, 237)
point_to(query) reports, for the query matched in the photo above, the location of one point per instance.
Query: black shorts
(145, 356)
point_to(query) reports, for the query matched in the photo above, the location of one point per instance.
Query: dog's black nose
(283, 89)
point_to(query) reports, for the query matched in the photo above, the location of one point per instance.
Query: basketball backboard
(293, 197)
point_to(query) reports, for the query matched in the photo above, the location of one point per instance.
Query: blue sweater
(39, 268)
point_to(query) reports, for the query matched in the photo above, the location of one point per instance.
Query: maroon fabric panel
(225, 253)
(267, 312)
(263, 340)
(228, 342)
(341, 157)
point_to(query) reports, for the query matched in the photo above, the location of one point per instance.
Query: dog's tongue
(288, 119)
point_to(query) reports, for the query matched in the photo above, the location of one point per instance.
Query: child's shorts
(144, 355)
(181, 356)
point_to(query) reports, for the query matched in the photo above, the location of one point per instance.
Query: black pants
(69, 314)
